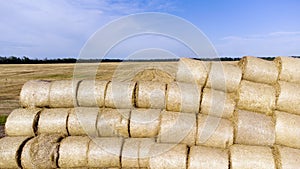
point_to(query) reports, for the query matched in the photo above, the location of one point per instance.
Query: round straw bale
(207, 158)
(288, 157)
(287, 129)
(259, 70)
(41, 152)
(91, 93)
(22, 122)
(144, 122)
(10, 151)
(73, 152)
(183, 97)
(152, 72)
(83, 121)
(136, 152)
(257, 97)
(105, 152)
(26, 162)
(151, 94)
(35, 93)
(254, 129)
(289, 69)
(288, 99)
(176, 127)
(214, 132)
(130, 153)
(53, 121)
(192, 71)
(120, 95)
(224, 77)
(217, 103)
(73, 125)
(26, 155)
(244, 156)
(168, 156)
(63, 94)
(145, 146)
(113, 122)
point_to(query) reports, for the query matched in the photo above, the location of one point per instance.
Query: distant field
(12, 77)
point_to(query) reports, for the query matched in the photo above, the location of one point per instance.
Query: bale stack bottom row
(56, 151)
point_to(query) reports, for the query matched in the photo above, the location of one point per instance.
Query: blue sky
(60, 28)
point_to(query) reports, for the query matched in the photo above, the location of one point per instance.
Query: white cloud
(283, 33)
(59, 28)
(271, 44)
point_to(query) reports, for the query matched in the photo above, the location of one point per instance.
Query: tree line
(27, 60)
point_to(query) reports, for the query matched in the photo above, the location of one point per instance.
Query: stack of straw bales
(214, 115)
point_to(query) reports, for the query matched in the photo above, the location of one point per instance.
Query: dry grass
(2, 119)
(12, 77)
